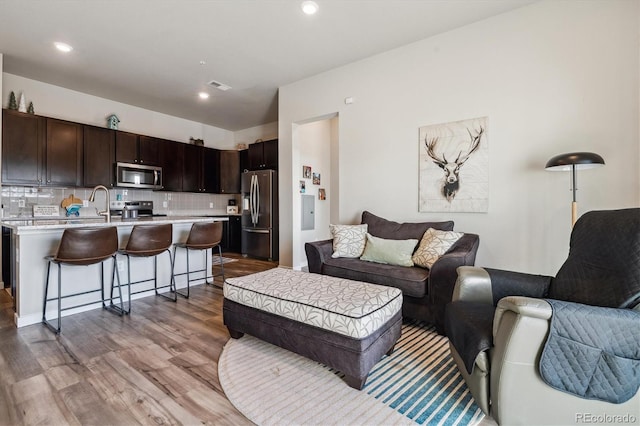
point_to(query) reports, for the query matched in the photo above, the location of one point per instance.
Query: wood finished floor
(155, 366)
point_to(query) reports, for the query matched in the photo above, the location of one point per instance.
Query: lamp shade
(581, 160)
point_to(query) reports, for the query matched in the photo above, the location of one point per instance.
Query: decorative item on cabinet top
(13, 104)
(112, 122)
(198, 142)
(22, 106)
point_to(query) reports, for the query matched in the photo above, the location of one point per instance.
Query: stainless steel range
(132, 209)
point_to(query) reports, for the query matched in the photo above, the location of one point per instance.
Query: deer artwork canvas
(454, 167)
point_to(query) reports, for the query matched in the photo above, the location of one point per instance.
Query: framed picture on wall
(306, 172)
(303, 187)
(454, 166)
(316, 178)
(322, 194)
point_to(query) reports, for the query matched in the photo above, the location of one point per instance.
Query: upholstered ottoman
(347, 325)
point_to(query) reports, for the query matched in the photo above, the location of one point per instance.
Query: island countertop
(31, 225)
(35, 238)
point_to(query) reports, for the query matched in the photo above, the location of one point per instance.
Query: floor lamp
(572, 162)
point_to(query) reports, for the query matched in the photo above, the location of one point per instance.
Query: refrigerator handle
(254, 199)
(251, 199)
(257, 200)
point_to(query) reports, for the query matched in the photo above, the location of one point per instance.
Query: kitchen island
(33, 239)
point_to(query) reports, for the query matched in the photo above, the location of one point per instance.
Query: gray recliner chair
(571, 358)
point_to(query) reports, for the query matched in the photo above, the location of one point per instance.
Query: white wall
(265, 132)
(59, 102)
(552, 77)
(314, 140)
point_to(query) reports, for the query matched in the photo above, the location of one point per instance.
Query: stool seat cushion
(350, 308)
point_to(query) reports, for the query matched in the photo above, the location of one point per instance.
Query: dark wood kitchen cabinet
(23, 145)
(211, 170)
(234, 234)
(99, 156)
(263, 155)
(229, 172)
(171, 156)
(41, 151)
(192, 167)
(64, 153)
(138, 149)
(201, 170)
(231, 235)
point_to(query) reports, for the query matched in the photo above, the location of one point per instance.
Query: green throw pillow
(391, 252)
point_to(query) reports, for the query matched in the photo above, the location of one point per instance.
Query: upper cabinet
(64, 153)
(211, 170)
(23, 144)
(139, 149)
(192, 166)
(263, 155)
(229, 172)
(99, 156)
(170, 158)
(41, 151)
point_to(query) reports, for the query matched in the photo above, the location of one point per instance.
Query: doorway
(316, 175)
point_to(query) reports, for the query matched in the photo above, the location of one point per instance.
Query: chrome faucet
(92, 198)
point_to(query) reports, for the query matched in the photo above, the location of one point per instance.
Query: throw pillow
(434, 244)
(348, 240)
(391, 252)
(383, 228)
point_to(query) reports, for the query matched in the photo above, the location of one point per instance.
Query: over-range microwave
(138, 176)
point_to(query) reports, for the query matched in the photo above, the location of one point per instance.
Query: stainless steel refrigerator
(260, 214)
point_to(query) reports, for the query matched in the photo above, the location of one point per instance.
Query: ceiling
(148, 53)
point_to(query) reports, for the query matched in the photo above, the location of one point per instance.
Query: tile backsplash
(18, 201)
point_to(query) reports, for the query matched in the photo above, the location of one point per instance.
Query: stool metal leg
(172, 284)
(221, 265)
(114, 274)
(45, 321)
(185, 295)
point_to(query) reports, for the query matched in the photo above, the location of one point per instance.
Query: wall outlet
(20, 203)
(165, 204)
(85, 203)
(210, 205)
(120, 265)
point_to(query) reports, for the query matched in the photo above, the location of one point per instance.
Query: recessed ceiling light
(63, 47)
(203, 95)
(309, 7)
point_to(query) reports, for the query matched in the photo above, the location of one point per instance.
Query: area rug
(216, 260)
(419, 383)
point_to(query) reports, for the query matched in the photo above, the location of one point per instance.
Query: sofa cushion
(412, 281)
(383, 228)
(348, 240)
(392, 252)
(434, 244)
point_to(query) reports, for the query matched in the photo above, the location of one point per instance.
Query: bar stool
(149, 241)
(202, 236)
(82, 247)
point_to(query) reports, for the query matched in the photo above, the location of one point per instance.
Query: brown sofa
(425, 291)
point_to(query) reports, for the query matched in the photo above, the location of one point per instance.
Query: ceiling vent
(218, 85)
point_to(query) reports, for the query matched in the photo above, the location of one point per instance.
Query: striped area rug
(419, 383)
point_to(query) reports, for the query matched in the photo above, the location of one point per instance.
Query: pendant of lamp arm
(573, 161)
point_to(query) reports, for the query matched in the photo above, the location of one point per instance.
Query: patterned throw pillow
(348, 240)
(434, 244)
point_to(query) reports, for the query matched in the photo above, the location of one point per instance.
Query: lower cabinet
(232, 235)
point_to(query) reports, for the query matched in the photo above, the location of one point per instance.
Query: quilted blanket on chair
(592, 352)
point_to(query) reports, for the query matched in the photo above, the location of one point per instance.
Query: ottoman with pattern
(347, 325)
